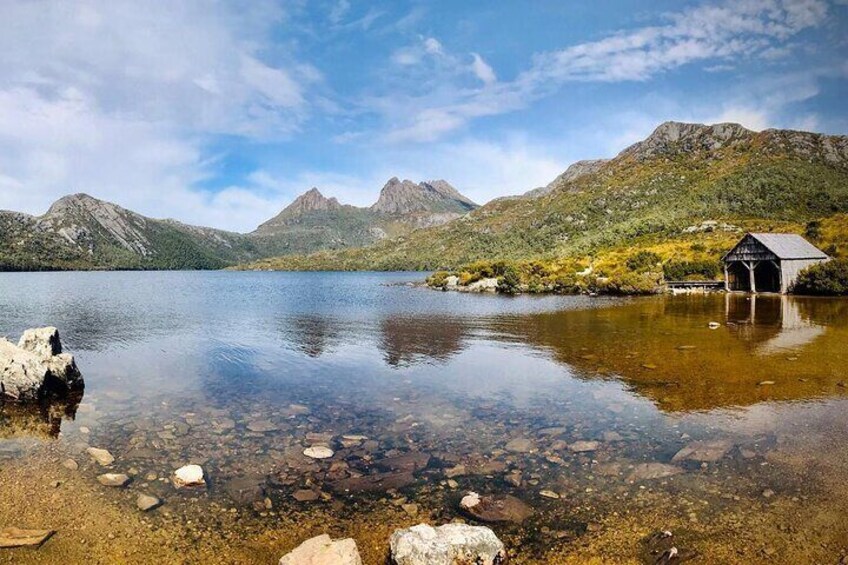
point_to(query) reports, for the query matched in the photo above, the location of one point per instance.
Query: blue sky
(219, 113)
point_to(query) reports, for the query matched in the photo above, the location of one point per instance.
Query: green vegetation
(824, 279)
(688, 206)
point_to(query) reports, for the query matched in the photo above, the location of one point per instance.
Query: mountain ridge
(678, 177)
(79, 231)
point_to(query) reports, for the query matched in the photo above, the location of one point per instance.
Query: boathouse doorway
(767, 277)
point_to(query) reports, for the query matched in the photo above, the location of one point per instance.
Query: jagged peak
(312, 199)
(671, 135)
(400, 197)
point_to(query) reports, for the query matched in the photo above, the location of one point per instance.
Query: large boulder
(322, 550)
(451, 544)
(36, 367)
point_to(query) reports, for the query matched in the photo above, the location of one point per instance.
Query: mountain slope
(82, 232)
(677, 178)
(314, 222)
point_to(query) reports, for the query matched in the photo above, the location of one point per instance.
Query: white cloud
(711, 34)
(433, 46)
(107, 98)
(482, 69)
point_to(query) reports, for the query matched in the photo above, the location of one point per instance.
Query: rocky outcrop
(406, 197)
(322, 550)
(36, 367)
(311, 201)
(678, 137)
(450, 544)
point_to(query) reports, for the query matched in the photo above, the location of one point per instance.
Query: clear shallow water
(241, 371)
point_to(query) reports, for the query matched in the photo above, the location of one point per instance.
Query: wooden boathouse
(768, 262)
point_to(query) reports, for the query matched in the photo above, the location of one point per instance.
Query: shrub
(824, 279)
(566, 284)
(643, 261)
(631, 283)
(510, 281)
(466, 278)
(438, 279)
(675, 270)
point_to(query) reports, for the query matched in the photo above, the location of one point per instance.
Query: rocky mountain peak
(675, 137)
(404, 197)
(311, 200)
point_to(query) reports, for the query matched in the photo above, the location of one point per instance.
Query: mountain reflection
(311, 334)
(664, 348)
(407, 340)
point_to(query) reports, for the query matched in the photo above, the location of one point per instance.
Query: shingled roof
(789, 246)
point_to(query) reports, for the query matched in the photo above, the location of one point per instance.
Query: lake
(722, 419)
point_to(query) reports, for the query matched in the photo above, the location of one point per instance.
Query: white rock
(447, 545)
(113, 480)
(318, 452)
(469, 501)
(36, 366)
(189, 476)
(483, 285)
(322, 550)
(102, 456)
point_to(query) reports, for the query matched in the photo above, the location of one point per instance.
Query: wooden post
(753, 283)
(726, 279)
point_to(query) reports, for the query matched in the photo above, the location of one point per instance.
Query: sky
(220, 113)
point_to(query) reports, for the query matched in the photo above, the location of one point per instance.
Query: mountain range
(682, 180)
(82, 232)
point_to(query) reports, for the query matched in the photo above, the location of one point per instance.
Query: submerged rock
(318, 452)
(583, 446)
(704, 451)
(447, 545)
(520, 445)
(189, 476)
(102, 456)
(495, 508)
(650, 471)
(36, 367)
(113, 480)
(322, 550)
(146, 502)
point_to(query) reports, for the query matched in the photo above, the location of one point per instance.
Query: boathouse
(769, 262)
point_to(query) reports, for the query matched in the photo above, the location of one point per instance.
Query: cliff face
(407, 197)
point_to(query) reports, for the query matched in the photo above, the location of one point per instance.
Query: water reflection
(409, 340)
(772, 324)
(636, 408)
(38, 420)
(664, 348)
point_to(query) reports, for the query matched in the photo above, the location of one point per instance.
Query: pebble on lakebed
(318, 452)
(102, 456)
